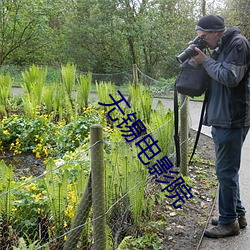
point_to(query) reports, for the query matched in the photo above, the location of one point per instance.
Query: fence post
(98, 195)
(80, 218)
(135, 74)
(184, 135)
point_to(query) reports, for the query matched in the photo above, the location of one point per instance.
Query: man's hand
(200, 58)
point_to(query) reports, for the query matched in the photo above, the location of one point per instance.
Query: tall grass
(83, 91)
(68, 74)
(33, 86)
(141, 102)
(6, 184)
(48, 98)
(125, 180)
(162, 126)
(5, 90)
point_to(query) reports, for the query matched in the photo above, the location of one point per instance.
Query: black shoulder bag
(191, 81)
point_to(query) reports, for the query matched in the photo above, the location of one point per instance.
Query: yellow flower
(45, 151)
(38, 155)
(16, 152)
(14, 209)
(37, 196)
(73, 199)
(31, 186)
(69, 211)
(6, 132)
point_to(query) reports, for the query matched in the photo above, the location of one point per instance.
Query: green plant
(104, 89)
(48, 98)
(6, 184)
(144, 107)
(28, 244)
(56, 184)
(68, 74)
(125, 179)
(147, 241)
(83, 91)
(23, 246)
(34, 81)
(43, 137)
(30, 207)
(162, 126)
(5, 90)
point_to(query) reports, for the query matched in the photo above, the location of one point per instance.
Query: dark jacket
(229, 90)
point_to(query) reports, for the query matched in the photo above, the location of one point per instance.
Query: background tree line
(107, 36)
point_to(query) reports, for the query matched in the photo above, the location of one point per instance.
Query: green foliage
(23, 25)
(104, 89)
(83, 91)
(125, 174)
(30, 206)
(144, 106)
(103, 36)
(29, 245)
(55, 196)
(162, 126)
(147, 241)
(5, 90)
(6, 184)
(43, 137)
(51, 199)
(48, 98)
(34, 81)
(68, 74)
(56, 187)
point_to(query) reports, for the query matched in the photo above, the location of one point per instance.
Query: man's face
(211, 38)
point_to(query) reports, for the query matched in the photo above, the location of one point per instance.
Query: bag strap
(176, 126)
(199, 127)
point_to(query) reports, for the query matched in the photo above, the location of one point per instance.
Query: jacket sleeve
(234, 66)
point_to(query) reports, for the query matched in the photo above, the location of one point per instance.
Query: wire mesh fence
(56, 209)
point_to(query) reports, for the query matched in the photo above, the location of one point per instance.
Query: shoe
(241, 219)
(221, 230)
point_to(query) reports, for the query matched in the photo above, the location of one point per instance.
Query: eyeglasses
(203, 36)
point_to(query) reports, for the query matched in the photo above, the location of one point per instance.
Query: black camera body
(190, 51)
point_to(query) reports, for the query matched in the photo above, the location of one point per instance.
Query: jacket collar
(231, 32)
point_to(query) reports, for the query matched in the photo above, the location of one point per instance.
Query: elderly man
(228, 112)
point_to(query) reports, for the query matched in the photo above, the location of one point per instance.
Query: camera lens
(190, 51)
(187, 53)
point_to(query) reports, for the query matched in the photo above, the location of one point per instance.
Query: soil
(25, 164)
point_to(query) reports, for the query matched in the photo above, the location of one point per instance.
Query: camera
(190, 51)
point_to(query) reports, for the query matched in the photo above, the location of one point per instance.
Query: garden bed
(39, 211)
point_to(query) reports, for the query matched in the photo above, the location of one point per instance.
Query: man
(228, 112)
